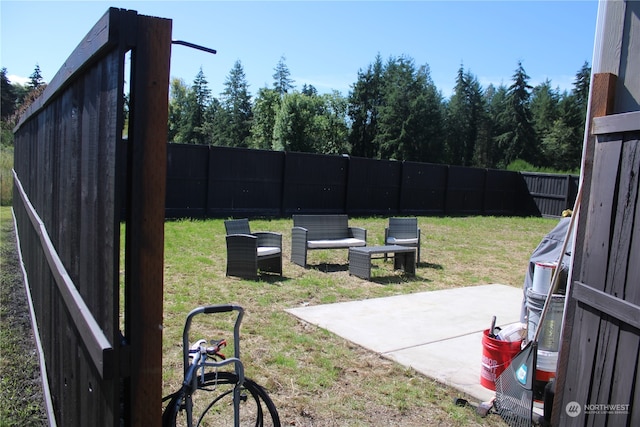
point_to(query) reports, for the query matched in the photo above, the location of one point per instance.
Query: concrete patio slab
(437, 333)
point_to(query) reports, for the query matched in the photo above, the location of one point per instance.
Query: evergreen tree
(465, 118)
(519, 141)
(35, 79)
(9, 96)
(309, 90)
(410, 119)
(496, 102)
(198, 100)
(581, 86)
(365, 101)
(544, 113)
(265, 108)
(234, 128)
(283, 83)
(178, 95)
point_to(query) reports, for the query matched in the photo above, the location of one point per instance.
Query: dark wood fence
(599, 362)
(72, 172)
(205, 181)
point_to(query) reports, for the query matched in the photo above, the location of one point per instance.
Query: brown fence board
(69, 189)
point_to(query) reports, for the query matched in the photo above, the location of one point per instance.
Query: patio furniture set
(250, 252)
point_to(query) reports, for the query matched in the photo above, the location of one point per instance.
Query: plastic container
(542, 276)
(549, 338)
(496, 356)
(546, 365)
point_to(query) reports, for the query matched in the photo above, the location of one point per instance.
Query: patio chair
(248, 253)
(403, 232)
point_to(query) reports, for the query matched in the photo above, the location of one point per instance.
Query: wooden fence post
(145, 217)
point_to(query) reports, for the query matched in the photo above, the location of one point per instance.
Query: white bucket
(542, 276)
(547, 361)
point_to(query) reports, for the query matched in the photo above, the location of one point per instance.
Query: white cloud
(13, 79)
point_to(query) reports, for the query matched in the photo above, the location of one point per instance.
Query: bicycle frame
(200, 359)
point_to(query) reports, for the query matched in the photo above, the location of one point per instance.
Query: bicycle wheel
(213, 404)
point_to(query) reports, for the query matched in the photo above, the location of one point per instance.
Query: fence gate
(102, 352)
(599, 363)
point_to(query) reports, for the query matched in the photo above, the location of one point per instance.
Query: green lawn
(314, 377)
(317, 378)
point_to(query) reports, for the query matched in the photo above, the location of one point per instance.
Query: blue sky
(325, 43)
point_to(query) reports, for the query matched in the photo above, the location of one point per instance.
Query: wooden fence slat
(96, 342)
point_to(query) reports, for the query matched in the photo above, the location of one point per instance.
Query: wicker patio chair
(403, 232)
(248, 253)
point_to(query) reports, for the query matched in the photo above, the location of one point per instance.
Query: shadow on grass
(329, 268)
(270, 278)
(430, 265)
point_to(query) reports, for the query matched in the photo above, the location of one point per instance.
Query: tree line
(392, 111)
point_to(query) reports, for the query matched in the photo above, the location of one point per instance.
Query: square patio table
(360, 259)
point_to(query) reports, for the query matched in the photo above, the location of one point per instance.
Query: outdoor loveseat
(323, 232)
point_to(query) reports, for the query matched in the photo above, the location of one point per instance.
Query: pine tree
(283, 83)
(35, 79)
(465, 118)
(365, 101)
(519, 141)
(8, 93)
(410, 119)
(544, 113)
(233, 126)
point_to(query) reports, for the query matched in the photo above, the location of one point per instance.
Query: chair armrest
(269, 238)
(299, 246)
(358, 233)
(242, 241)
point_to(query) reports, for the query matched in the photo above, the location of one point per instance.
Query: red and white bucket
(546, 365)
(496, 356)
